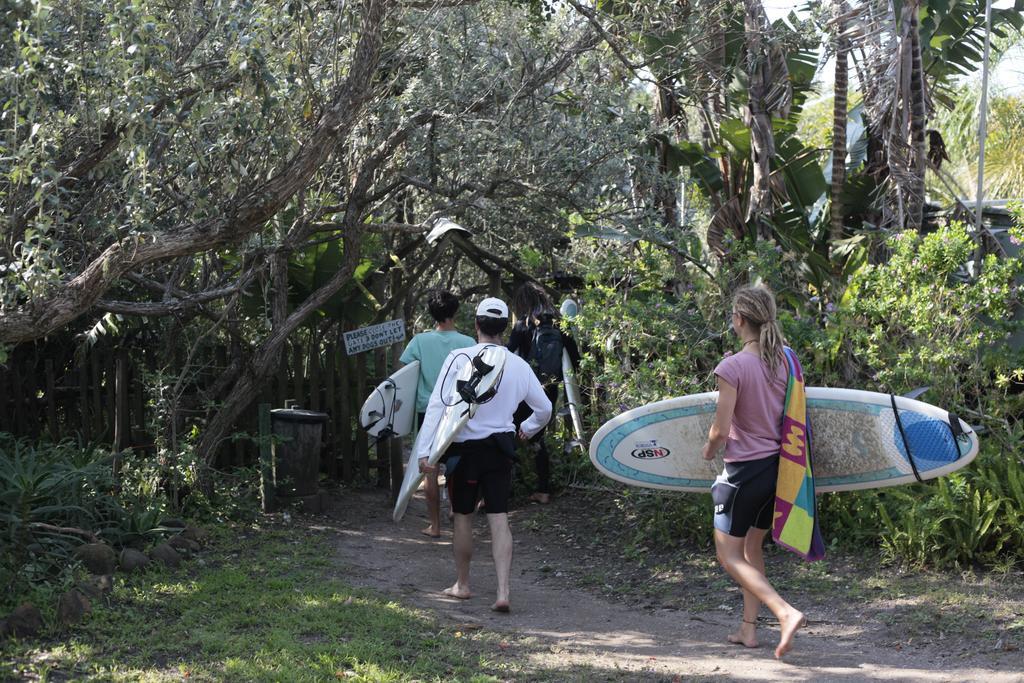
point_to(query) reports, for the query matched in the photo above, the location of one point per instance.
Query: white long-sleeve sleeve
(538, 401)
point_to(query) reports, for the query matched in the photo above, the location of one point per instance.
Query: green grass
(260, 605)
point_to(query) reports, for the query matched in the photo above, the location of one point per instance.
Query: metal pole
(267, 476)
(983, 115)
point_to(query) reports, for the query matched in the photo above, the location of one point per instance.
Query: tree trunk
(758, 118)
(268, 355)
(839, 118)
(267, 358)
(666, 112)
(918, 119)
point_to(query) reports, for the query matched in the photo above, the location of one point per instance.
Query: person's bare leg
(433, 494)
(732, 558)
(753, 551)
(462, 545)
(501, 549)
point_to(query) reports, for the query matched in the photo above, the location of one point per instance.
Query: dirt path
(574, 626)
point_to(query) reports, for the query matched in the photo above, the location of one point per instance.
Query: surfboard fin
(914, 393)
(374, 417)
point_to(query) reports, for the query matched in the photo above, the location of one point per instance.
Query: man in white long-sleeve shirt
(480, 459)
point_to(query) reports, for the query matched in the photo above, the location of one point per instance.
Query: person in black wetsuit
(537, 338)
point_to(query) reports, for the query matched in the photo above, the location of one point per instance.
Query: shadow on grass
(268, 605)
(262, 606)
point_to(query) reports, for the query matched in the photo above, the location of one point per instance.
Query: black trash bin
(296, 451)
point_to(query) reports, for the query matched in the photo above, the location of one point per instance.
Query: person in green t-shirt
(430, 349)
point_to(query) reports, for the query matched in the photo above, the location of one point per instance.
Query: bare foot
(542, 498)
(501, 606)
(430, 531)
(790, 625)
(457, 591)
(746, 635)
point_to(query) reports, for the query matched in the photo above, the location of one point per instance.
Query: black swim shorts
(481, 466)
(744, 495)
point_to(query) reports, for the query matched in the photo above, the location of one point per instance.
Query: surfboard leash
(957, 431)
(466, 388)
(388, 431)
(903, 435)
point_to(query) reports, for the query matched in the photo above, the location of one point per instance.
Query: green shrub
(972, 517)
(655, 331)
(52, 495)
(44, 489)
(917, 320)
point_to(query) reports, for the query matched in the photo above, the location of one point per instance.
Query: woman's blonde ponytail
(756, 304)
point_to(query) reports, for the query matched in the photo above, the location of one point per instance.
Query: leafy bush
(53, 496)
(45, 491)
(654, 331)
(918, 320)
(975, 516)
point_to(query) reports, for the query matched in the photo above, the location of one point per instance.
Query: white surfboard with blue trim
(856, 442)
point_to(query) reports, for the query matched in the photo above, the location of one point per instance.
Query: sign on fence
(374, 336)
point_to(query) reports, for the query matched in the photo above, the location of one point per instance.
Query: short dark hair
(492, 327)
(442, 305)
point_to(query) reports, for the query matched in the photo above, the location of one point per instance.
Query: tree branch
(609, 39)
(242, 217)
(176, 305)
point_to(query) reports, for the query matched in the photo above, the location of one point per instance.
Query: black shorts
(481, 466)
(744, 495)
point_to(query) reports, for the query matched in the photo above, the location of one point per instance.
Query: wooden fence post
(51, 400)
(17, 396)
(345, 411)
(97, 396)
(282, 379)
(121, 396)
(362, 443)
(5, 394)
(85, 417)
(30, 402)
(333, 443)
(110, 386)
(137, 425)
(314, 371)
(298, 372)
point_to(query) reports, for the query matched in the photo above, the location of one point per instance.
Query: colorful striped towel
(796, 520)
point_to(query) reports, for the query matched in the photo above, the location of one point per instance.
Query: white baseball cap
(492, 308)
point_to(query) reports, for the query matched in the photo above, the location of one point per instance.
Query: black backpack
(546, 352)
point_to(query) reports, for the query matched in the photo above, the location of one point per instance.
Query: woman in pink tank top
(748, 424)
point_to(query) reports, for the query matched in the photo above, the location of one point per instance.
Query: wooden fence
(111, 394)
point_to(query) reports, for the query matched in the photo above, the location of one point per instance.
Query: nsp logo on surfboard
(649, 450)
